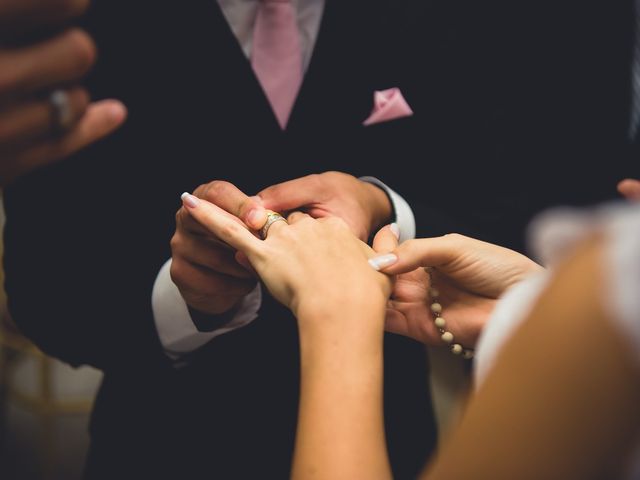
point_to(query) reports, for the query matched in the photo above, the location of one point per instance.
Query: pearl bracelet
(441, 324)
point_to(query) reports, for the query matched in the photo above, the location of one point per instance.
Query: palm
(409, 309)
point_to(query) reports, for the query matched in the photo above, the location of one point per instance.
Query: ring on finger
(272, 217)
(61, 111)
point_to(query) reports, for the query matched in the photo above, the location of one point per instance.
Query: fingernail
(189, 200)
(383, 261)
(256, 217)
(395, 229)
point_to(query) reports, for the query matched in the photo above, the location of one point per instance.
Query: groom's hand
(203, 267)
(363, 206)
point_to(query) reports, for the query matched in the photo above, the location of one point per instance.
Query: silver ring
(61, 113)
(272, 217)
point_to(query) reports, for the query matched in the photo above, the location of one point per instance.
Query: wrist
(347, 324)
(381, 207)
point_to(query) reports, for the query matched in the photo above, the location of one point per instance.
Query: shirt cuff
(178, 334)
(403, 215)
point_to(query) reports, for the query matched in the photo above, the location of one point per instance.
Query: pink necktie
(276, 56)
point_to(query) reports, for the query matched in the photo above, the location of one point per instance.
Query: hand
(29, 72)
(470, 275)
(630, 189)
(204, 267)
(311, 266)
(363, 206)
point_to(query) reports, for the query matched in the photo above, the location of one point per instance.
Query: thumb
(426, 252)
(386, 240)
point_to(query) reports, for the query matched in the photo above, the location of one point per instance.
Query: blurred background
(45, 404)
(44, 408)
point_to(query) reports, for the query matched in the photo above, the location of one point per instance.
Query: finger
(199, 251)
(296, 217)
(228, 197)
(395, 322)
(186, 223)
(207, 283)
(386, 240)
(100, 119)
(60, 60)
(293, 194)
(630, 189)
(426, 252)
(32, 119)
(20, 15)
(222, 224)
(275, 227)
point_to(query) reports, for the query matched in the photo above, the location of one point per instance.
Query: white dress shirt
(176, 329)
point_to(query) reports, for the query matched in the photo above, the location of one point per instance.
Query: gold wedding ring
(272, 217)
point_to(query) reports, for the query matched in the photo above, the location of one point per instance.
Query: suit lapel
(235, 89)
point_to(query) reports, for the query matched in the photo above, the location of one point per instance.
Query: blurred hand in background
(45, 114)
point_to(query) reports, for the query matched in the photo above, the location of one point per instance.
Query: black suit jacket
(85, 238)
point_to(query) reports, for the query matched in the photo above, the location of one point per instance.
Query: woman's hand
(314, 267)
(469, 275)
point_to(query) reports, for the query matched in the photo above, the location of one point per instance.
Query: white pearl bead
(456, 349)
(436, 307)
(468, 354)
(434, 293)
(440, 322)
(447, 337)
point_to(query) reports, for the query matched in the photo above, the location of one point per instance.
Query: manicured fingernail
(383, 261)
(395, 229)
(256, 217)
(189, 200)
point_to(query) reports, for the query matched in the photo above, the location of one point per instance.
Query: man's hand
(206, 269)
(29, 72)
(364, 207)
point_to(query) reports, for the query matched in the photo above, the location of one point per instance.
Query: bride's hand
(314, 267)
(469, 276)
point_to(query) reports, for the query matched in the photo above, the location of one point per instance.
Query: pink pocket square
(388, 105)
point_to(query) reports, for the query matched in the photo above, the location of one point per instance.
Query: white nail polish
(189, 200)
(383, 261)
(395, 229)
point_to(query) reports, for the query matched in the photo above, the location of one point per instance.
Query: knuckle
(200, 190)
(216, 189)
(179, 218)
(176, 271)
(230, 230)
(176, 242)
(454, 237)
(315, 180)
